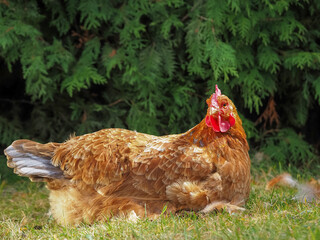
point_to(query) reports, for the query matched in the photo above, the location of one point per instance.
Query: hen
(117, 172)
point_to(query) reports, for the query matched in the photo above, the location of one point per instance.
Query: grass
(269, 215)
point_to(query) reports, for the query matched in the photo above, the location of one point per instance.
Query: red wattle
(232, 120)
(212, 122)
(215, 124)
(219, 124)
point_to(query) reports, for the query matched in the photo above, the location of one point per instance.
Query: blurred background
(79, 66)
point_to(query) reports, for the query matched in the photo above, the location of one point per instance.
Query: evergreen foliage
(79, 66)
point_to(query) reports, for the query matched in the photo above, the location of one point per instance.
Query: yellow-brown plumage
(116, 172)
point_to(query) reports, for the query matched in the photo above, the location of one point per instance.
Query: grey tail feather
(37, 168)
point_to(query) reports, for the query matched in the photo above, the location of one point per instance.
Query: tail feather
(33, 160)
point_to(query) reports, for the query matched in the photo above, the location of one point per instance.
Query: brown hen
(117, 172)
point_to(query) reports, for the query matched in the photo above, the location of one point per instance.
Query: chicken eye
(224, 104)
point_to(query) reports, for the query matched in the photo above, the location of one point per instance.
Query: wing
(100, 158)
(167, 160)
(131, 164)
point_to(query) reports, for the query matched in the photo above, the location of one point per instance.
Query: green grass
(269, 215)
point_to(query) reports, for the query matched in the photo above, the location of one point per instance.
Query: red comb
(214, 101)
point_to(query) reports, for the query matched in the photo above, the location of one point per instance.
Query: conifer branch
(115, 102)
(160, 57)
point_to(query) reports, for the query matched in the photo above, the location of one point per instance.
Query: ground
(269, 215)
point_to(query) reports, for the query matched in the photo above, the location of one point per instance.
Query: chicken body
(116, 172)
